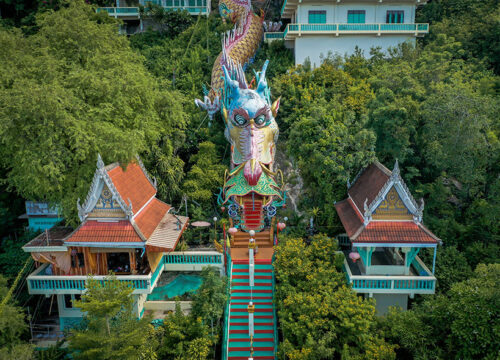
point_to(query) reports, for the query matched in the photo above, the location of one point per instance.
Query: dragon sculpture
(248, 114)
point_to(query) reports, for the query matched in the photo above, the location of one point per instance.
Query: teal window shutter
(395, 17)
(356, 16)
(317, 17)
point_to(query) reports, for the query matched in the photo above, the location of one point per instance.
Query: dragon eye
(240, 120)
(260, 120)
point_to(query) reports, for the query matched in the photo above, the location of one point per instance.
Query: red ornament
(223, 208)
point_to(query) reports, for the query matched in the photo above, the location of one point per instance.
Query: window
(317, 17)
(356, 17)
(119, 263)
(68, 300)
(395, 17)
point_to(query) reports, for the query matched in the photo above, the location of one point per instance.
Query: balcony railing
(142, 284)
(293, 30)
(201, 8)
(271, 36)
(393, 284)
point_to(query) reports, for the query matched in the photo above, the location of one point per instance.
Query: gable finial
(396, 171)
(100, 163)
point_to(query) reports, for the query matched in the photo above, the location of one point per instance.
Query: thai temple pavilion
(124, 229)
(385, 228)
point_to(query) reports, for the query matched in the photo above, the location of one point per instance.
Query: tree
(12, 327)
(110, 330)
(462, 324)
(320, 317)
(78, 87)
(185, 337)
(205, 176)
(210, 298)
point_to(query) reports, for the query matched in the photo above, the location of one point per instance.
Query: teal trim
(142, 312)
(226, 311)
(274, 35)
(410, 256)
(77, 284)
(366, 254)
(42, 223)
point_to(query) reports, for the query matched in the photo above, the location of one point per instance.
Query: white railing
(299, 29)
(392, 284)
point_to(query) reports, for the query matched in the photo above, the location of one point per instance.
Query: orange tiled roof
(349, 216)
(149, 218)
(105, 232)
(132, 184)
(369, 184)
(401, 232)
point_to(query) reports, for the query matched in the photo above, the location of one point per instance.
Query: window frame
(316, 13)
(356, 16)
(395, 17)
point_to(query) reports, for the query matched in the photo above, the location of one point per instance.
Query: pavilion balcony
(41, 283)
(294, 30)
(420, 279)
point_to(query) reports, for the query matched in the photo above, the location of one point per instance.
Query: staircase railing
(225, 337)
(275, 317)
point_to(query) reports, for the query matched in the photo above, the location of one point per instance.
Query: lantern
(354, 256)
(281, 226)
(233, 230)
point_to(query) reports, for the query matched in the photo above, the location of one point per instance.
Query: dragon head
(251, 126)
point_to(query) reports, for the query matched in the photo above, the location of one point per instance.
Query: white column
(251, 327)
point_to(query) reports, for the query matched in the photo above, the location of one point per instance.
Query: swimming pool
(180, 285)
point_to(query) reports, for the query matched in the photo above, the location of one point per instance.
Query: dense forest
(71, 88)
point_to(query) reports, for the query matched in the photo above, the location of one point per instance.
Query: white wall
(313, 46)
(338, 13)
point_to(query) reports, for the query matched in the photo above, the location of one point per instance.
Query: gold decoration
(392, 208)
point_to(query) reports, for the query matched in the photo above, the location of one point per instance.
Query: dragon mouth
(252, 172)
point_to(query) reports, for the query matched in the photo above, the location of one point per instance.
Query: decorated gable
(106, 206)
(392, 207)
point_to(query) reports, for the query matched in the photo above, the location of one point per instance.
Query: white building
(319, 27)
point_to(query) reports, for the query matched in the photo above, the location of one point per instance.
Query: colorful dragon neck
(238, 47)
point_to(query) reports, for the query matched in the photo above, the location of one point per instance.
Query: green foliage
(167, 22)
(210, 298)
(463, 324)
(323, 121)
(320, 317)
(12, 256)
(185, 337)
(12, 327)
(110, 329)
(205, 176)
(79, 87)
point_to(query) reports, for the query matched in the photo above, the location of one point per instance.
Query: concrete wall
(316, 46)
(384, 301)
(374, 14)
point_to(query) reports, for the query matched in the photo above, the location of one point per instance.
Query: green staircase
(237, 345)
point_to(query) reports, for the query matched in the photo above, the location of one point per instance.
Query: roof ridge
(143, 168)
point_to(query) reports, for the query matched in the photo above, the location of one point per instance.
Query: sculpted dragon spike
(238, 47)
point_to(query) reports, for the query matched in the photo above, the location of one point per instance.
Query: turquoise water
(177, 287)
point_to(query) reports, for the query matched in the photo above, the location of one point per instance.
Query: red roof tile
(399, 232)
(369, 184)
(105, 232)
(132, 184)
(149, 218)
(349, 216)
